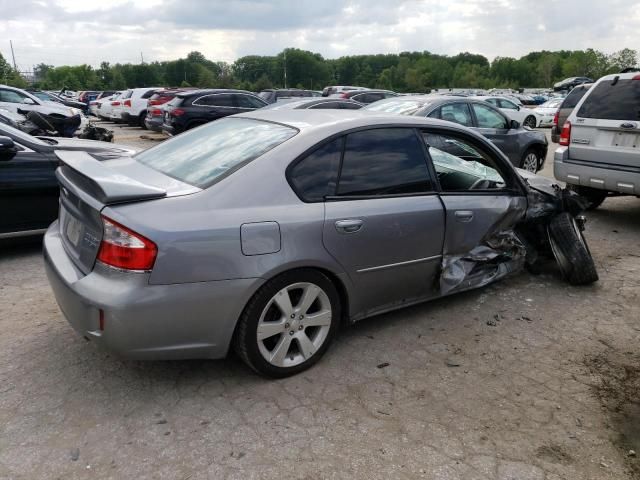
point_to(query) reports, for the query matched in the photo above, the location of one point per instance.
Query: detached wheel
(570, 250)
(288, 324)
(530, 122)
(594, 196)
(531, 161)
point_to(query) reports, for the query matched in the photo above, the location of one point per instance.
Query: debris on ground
(383, 365)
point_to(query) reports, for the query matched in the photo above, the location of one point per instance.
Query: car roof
(340, 120)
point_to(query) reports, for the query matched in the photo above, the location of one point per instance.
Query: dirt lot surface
(528, 379)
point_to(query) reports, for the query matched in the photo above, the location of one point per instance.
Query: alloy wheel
(294, 324)
(530, 162)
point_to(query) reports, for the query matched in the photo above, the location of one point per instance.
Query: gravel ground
(526, 379)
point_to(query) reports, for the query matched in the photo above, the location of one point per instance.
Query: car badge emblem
(629, 125)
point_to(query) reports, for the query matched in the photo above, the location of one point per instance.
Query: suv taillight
(556, 117)
(127, 103)
(344, 95)
(176, 112)
(115, 104)
(124, 248)
(565, 136)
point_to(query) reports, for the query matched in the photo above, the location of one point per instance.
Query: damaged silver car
(264, 231)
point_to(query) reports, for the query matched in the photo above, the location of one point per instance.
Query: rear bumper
(602, 178)
(153, 123)
(170, 129)
(142, 321)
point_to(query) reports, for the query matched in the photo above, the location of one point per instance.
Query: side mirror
(514, 125)
(8, 149)
(518, 107)
(28, 101)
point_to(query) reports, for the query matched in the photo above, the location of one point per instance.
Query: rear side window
(214, 101)
(350, 106)
(613, 101)
(384, 162)
(148, 93)
(574, 97)
(314, 177)
(202, 156)
(247, 101)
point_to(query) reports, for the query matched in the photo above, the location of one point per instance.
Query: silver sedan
(265, 231)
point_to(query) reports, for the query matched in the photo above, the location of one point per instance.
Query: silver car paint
(189, 304)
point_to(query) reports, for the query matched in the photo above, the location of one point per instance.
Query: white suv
(14, 99)
(134, 105)
(600, 141)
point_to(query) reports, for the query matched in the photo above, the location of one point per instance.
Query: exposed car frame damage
(508, 250)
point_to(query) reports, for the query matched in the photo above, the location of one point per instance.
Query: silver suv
(600, 140)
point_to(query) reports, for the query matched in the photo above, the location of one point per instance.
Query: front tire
(570, 250)
(289, 323)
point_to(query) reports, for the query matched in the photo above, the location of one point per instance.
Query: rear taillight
(127, 103)
(556, 117)
(176, 112)
(637, 77)
(344, 95)
(565, 136)
(115, 104)
(124, 248)
(156, 112)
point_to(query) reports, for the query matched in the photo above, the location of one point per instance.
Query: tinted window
(247, 101)
(460, 165)
(214, 101)
(613, 101)
(350, 106)
(488, 117)
(200, 156)
(383, 162)
(325, 105)
(368, 97)
(492, 101)
(574, 97)
(315, 176)
(148, 93)
(457, 113)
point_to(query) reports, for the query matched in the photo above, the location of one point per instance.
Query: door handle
(349, 226)
(464, 215)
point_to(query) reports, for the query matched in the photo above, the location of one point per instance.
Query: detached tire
(289, 323)
(571, 251)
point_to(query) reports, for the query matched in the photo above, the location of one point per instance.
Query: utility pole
(141, 58)
(13, 56)
(285, 68)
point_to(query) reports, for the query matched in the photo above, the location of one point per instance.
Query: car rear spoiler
(79, 170)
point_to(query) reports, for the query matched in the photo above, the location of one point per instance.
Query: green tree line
(404, 72)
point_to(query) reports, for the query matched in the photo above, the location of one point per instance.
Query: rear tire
(141, 118)
(288, 324)
(594, 196)
(570, 250)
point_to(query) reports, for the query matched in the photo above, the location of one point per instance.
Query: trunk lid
(87, 185)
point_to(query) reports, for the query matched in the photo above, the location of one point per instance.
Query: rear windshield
(574, 97)
(612, 100)
(404, 107)
(207, 154)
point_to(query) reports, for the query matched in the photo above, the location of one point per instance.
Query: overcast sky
(68, 32)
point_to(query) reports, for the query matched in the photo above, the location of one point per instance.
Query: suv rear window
(574, 97)
(612, 100)
(209, 153)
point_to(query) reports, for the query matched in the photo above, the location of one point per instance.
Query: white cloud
(80, 31)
